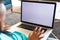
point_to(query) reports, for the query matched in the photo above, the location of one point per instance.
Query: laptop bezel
(40, 24)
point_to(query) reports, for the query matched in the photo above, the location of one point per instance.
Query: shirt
(15, 36)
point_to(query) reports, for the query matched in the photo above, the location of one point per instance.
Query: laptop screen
(38, 13)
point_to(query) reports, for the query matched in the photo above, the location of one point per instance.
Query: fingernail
(40, 28)
(36, 28)
(42, 31)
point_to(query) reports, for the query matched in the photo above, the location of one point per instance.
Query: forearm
(1, 26)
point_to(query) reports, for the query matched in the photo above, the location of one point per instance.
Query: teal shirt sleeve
(15, 36)
(23, 37)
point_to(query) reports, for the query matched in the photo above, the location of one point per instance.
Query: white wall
(57, 16)
(16, 3)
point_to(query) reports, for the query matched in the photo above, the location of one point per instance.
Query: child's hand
(6, 27)
(36, 34)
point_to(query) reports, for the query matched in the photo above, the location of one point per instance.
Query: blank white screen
(38, 13)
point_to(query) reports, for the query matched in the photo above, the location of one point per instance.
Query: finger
(30, 34)
(40, 38)
(39, 30)
(35, 30)
(42, 31)
(38, 34)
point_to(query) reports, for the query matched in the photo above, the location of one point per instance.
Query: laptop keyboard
(28, 27)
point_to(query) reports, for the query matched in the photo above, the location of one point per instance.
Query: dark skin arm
(2, 26)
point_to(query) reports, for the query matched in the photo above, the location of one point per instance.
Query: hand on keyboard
(36, 34)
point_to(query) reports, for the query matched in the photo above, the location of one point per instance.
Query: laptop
(36, 13)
